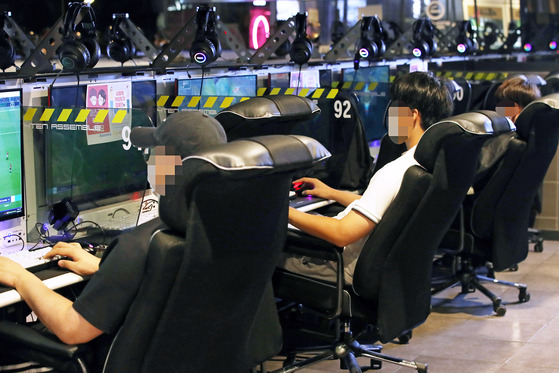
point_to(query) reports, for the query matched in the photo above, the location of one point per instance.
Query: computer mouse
(300, 187)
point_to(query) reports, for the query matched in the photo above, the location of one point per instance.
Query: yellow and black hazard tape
(72, 115)
(170, 102)
(222, 102)
(474, 75)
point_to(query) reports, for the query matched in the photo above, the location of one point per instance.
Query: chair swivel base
(471, 281)
(347, 350)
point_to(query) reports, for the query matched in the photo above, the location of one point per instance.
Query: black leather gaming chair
(207, 277)
(391, 283)
(497, 215)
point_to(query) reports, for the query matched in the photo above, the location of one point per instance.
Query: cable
(299, 81)
(201, 87)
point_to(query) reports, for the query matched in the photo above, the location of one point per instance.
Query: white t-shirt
(380, 193)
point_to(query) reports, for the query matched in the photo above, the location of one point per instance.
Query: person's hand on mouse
(312, 186)
(75, 258)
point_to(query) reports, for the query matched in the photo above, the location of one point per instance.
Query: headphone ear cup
(121, 50)
(217, 45)
(301, 51)
(380, 46)
(432, 46)
(73, 56)
(367, 49)
(202, 52)
(94, 51)
(7, 53)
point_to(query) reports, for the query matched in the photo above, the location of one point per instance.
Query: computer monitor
(89, 171)
(279, 80)
(11, 188)
(236, 86)
(305, 79)
(373, 97)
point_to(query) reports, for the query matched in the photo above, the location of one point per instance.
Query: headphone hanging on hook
(120, 47)
(78, 53)
(301, 49)
(206, 47)
(7, 49)
(424, 43)
(369, 48)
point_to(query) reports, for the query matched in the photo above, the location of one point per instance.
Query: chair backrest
(501, 212)
(552, 83)
(197, 306)
(340, 129)
(393, 272)
(461, 95)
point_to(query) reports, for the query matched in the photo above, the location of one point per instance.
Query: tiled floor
(463, 335)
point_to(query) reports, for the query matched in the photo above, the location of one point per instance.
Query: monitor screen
(11, 188)
(84, 168)
(239, 86)
(305, 79)
(373, 98)
(144, 97)
(278, 80)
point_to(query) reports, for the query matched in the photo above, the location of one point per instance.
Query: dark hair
(103, 94)
(518, 90)
(426, 93)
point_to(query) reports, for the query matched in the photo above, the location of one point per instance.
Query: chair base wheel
(538, 247)
(500, 310)
(405, 338)
(523, 296)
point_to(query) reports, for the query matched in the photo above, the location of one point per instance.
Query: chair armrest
(301, 243)
(12, 334)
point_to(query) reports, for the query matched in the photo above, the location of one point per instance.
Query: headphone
(369, 49)
(78, 54)
(491, 33)
(301, 49)
(206, 47)
(465, 42)
(7, 49)
(63, 213)
(120, 47)
(424, 43)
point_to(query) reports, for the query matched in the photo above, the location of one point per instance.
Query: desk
(58, 278)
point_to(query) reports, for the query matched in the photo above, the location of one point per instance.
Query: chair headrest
(264, 152)
(530, 78)
(246, 118)
(525, 122)
(481, 123)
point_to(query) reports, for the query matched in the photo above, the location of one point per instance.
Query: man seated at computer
(101, 307)
(419, 99)
(513, 95)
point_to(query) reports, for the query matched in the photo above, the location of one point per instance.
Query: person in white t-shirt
(419, 99)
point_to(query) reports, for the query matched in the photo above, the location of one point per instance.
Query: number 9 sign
(126, 138)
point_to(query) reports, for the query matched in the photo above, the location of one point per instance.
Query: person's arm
(54, 310)
(340, 232)
(319, 189)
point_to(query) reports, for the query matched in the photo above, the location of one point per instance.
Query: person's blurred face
(508, 108)
(163, 166)
(93, 100)
(400, 122)
(101, 100)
